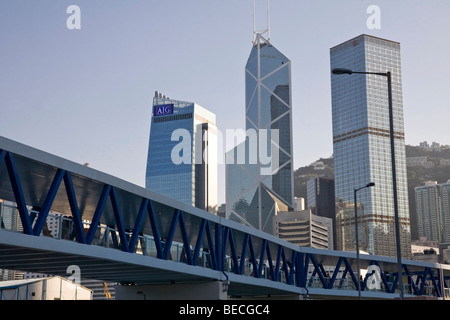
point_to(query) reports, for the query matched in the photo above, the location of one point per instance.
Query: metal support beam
(76, 215)
(18, 193)
(220, 247)
(43, 213)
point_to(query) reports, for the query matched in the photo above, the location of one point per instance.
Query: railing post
(60, 220)
(219, 245)
(107, 236)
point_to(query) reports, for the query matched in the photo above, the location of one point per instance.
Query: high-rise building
(444, 194)
(433, 211)
(299, 203)
(428, 211)
(304, 229)
(182, 153)
(362, 149)
(321, 200)
(320, 196)
(259, 175)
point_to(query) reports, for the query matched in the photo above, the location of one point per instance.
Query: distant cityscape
(322, 214)
(428, 173)
(316, 206)
(266, 194)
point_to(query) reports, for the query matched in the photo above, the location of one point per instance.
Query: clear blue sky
(86, 94)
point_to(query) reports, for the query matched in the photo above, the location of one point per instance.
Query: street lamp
(340, 71)
(371, 184)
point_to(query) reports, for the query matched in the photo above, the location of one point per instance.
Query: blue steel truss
(296, 267)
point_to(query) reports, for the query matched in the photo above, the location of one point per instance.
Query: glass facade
(182, 153)
(428, 211)
(321, 199)
(263, 184)
(433, 211)
(445, 210)
(361, 146)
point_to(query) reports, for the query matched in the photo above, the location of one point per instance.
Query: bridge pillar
(215, 290)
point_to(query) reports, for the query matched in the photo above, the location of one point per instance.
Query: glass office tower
(433, 211)
(182, 153)
(444, 195)
(428, 210)
(361, 145)
(259, 175)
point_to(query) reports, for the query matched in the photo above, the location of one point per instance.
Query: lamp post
(371, 184)
(339, 71)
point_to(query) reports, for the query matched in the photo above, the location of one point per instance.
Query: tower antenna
(253, 21)
(268, 21)
(256, 32)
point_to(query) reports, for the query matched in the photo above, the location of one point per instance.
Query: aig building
(182, 153)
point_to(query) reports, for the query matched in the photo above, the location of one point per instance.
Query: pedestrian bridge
(58, 216)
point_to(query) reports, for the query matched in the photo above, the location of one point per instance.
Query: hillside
(435, 166)
(321, 168)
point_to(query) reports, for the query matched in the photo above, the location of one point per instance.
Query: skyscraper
(321, 200)
(305, 229)
(361, 146)
(260, 182)
(444, 194)
(428, 211)
(182, 153)
(433, 211)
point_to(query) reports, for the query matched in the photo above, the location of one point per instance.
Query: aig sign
(162, 110)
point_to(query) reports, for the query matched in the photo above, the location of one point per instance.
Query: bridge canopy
(209, 247)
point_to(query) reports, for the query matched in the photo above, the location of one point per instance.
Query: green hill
(303, 174)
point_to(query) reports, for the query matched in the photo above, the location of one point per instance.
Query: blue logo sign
(163, 110)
